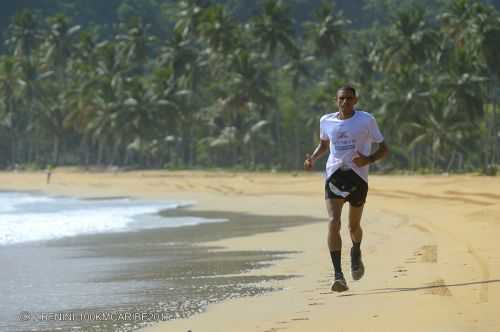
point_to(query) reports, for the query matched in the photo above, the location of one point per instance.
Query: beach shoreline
(430, 247)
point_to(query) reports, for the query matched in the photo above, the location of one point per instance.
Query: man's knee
(353, 228)
(334, 225)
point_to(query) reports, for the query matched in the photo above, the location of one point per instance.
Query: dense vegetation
(198, 83)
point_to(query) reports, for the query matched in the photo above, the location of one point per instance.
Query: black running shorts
(347, 185)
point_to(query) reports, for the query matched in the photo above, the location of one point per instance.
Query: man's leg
(355, 214)
(334, 208)
(357, 267)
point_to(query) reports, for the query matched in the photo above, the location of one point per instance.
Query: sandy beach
(430, 248)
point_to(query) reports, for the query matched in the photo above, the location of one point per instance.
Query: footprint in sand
(446, 198)
(180, 187)
(316, 303)
(438, 287)
(211, 188)
(427, 254)
(493, 197)
(284, 322)
(230, 190)
(485, 274)
(421, 228)
(400, 271)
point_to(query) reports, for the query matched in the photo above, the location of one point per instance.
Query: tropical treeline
(204, 86)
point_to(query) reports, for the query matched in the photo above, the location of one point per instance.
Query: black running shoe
(339, 285)
(357, 266)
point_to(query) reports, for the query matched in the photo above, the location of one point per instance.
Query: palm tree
(406, 56)
(24, 34)
(298, 68)
(245, 99)
(409, 41)
(327, 30)
(188, 67)
(24, 40)
(474, 30)
(274, 28)
(143, 117)
(10, 114)
(106, 92)
(134, 44)
(489, 30)
(58, 50)
(188, 17)
(273, 31)
(219, 30)
(442, 134)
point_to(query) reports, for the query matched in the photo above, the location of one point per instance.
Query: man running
(348, 134)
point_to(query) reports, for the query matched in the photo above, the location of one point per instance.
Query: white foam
(9, 201)
(26, 217)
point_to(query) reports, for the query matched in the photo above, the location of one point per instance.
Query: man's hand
(320, 150)
(360, 159)
(308, 163)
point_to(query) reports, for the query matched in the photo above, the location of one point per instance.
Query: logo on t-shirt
(342, 135)
(344, 142)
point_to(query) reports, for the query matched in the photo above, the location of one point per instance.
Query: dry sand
(431, 248)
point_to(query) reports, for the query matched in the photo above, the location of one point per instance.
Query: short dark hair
(348, 88)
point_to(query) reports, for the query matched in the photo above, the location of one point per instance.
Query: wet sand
(430, 248)
(167, 272)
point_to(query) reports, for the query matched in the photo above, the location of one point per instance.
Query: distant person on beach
(348, 134)
(50, 168)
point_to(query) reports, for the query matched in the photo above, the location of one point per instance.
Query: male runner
(348, 134)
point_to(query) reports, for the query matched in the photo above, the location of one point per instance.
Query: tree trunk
(433, 157)
(100, 151)
(126, 157)
(297, 164)
(84, 151)
(13, 149)
(460, 161)
(494, 126)
(413, 165)
(278, 138)
(29, 153)
(252, 154)
(55, 150)
(186, 143)
(114, 153)
(450, 162)
(36, 146)
(297, 144)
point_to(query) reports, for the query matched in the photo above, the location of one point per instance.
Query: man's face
(346, 100)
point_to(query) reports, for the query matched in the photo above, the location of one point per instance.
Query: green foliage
(197, 83)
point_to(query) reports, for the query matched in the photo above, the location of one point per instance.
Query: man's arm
(320, 150)
(361, 160)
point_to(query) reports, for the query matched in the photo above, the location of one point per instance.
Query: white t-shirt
(347, 137)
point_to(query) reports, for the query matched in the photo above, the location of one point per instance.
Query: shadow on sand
(413, 289)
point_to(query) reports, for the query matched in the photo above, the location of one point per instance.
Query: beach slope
(430, 248)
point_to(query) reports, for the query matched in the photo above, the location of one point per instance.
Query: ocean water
(67, 262)
(27, 217)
